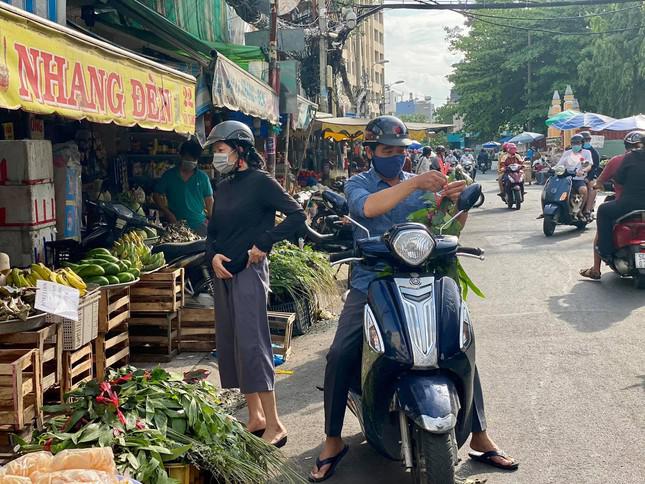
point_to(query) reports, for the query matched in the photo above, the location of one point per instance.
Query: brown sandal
(590, 274)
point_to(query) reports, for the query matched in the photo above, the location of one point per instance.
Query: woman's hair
(248, 153)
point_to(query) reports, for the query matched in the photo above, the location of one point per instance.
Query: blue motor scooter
(416, 390)
(560, 206)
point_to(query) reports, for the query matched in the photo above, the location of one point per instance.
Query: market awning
(237, 90)
(344, 128)
(48, 68)
(306, 113)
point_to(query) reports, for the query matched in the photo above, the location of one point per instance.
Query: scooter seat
(175, 250)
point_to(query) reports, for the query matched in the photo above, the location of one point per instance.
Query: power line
(598, 14)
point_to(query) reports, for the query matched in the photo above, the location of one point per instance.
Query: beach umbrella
(624, 124)
(415, 146)
(491, 145)
(563, 116)
(583, 120)
(526, 137)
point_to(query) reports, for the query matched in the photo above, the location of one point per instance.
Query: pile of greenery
(150, 418)
(299, 273)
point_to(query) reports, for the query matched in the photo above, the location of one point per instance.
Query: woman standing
(240, 234)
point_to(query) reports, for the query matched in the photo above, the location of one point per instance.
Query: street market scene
(290, 241)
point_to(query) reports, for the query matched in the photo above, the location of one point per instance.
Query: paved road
(561, 361)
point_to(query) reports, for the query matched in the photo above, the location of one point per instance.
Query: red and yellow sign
(45, 69)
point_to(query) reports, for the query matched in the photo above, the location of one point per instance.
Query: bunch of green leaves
(163, 419)
(299, 272)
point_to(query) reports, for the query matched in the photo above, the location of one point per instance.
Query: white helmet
(230, 131)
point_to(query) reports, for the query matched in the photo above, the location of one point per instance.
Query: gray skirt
(244, 353)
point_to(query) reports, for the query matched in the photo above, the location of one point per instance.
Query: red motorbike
(514, 185)
(628, 259)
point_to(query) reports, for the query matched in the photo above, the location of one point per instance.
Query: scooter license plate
(640, 260)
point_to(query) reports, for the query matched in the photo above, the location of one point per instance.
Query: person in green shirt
(187, 190)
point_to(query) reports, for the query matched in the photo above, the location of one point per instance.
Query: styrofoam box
(26, 245)
(26, 162)
(27, 205)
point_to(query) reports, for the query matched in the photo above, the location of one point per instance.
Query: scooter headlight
(413, 246)
(465, 327)
(559, 170)
(372, 333)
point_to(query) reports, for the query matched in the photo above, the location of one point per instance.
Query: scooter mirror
(469, 197)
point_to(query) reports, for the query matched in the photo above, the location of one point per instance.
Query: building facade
(365, 62)
(413, 106)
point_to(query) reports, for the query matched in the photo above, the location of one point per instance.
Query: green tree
(492, 80)
(444, 114)
(414, 118)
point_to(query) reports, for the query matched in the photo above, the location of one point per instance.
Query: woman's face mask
(223, 164)
(576, 148)
(587, 145)
(188, 164)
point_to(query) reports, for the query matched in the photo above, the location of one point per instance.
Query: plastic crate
(305, 310)
(85, 330)
(59, 251)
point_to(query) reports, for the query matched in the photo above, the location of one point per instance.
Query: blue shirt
(357, 189)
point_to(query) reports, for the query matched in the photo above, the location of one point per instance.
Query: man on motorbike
(483, 159)
(378, 199)
(577, 161)
(508, 158)
(593, 173)
(633, 141)
(451, 159)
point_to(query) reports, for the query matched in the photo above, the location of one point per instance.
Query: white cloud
(416, 46)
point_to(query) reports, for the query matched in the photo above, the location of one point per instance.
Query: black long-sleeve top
(244, 216)
(631, 175)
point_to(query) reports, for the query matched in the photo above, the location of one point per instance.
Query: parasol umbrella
(583, 120)
(526, 137)
(563, 116)
(415, 146)
(491, 145)
(624, 124)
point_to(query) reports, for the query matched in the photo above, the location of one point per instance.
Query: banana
(74, 280)
(52, 277)
(61, 279)
(22, 281)
(31, 279)
(40, 271)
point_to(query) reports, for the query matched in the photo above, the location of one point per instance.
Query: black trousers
(608, 213)
(344, 367)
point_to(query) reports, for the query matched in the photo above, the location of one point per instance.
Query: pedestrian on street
(378, 199)
(240, 235)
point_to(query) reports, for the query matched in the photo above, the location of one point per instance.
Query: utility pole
(274, 79)
(528, 82)
(322, 23)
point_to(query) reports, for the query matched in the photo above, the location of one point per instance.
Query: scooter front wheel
(435, 457)
(548, 225)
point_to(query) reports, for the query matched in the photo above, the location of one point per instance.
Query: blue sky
(416, 46)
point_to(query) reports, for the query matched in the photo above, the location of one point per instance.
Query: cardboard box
(26, 245)
(26, 162)
(27, 205)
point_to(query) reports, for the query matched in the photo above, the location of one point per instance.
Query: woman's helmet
(577, 139)
(234, 131)
(505, 147)
(386, 130)
(427, 150)
(440, 149)
(511, 148)
(634, 140)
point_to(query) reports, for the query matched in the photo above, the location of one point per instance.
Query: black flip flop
(487, 458)
(281, 443)
(334, 461)
(259, 432)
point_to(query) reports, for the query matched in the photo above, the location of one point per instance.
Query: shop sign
(237, 90)
(45, 70)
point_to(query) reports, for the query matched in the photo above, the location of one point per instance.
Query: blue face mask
(576, 148)
(389, 167)
(586, 146)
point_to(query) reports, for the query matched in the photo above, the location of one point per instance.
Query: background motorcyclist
(483, 159)
(578, 162)
(633, 141)
(593, 173)
(379, 199)
(509, 157)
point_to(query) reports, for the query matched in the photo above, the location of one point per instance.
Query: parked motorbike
(328, 209)
(415, 397)
(559, 205)
(628, 259)
(514, 185)
(192, 257)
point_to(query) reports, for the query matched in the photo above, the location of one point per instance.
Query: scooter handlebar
(474, 251)
(338, 256)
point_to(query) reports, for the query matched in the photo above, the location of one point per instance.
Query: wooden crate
(114, 308)
(77, 367)
(154, 336)
(161, 291)
(21, 395)
(197, 329)
(49, 342)
(111, 350)
(8, 442)
(281, 326)
(186, 474)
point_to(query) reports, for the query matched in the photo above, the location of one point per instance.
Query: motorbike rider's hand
(430, 181)
(454, 189)
(218, 266)
(255, 256)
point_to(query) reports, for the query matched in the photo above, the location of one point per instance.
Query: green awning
(156, 29)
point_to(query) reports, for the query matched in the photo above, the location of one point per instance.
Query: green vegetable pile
(150, 418)
(299, 273)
